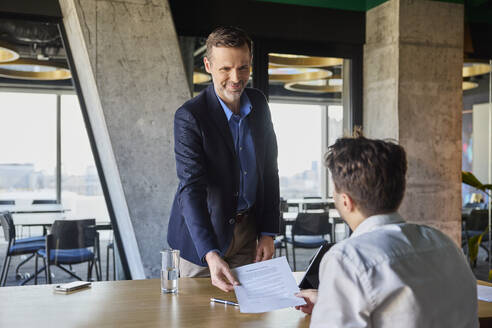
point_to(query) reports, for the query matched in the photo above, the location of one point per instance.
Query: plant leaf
(487, 186)
(473, 245)
(471, 180)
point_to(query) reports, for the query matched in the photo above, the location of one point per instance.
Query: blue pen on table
(218, 300)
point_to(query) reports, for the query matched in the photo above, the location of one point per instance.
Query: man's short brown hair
(229, 36)
(372, 172)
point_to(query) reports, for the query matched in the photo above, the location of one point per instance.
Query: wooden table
(139, 303)
(134, 303)
(485, 309)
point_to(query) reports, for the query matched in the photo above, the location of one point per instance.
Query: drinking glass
(170, 270)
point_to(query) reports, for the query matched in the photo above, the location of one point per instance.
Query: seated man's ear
(347, 202)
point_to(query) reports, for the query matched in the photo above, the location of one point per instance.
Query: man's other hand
(310, 296)
(220, 273)
(265, 249)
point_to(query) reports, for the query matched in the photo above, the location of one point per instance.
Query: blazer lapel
(220, 119)
(257, 135)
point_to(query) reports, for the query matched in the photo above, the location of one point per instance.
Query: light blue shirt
(395, 274)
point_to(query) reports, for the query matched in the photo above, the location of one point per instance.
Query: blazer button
(232, 221)
(236, 194)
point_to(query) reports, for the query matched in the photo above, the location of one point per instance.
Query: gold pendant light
(28, 69)
(475, 69)
(291, 74)
(7, 55)
(467, 85)
(302, 61)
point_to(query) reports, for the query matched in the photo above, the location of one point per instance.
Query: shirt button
(245, 172)
(240, 148)
(232, 221)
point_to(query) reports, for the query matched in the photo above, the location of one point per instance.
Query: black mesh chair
(68, 244)
(309, 231)
(24, 246)
(109, 247)
(313, 206)
(280, 241)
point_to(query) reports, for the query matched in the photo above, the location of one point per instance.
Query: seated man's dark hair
(372, 172)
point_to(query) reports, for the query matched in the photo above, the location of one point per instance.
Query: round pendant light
(475, 69)
(302, 61)
(467, 85)
(291, 74)
(7, 55)
(34, 70)
(319, 86)
(200, 77)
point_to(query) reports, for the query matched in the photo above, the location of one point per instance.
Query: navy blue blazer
(204, 208)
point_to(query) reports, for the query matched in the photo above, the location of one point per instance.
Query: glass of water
(170, 270)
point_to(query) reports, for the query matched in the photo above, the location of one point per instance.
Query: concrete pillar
(128, 61)
(413, 61)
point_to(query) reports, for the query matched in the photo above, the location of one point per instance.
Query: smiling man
(226, 209)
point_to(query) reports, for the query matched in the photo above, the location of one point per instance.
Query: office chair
(308, 231)
(68, 244)
(17, 247)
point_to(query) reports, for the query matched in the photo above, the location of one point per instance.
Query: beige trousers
(242, 250)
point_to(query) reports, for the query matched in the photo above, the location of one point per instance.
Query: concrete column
(128, 61)
(413, 61)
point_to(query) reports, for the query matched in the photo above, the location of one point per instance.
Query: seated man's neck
(354, 218)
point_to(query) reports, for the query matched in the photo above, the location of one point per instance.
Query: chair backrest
(71, 234)
(312, 224)
(284, 207)
(44, 201)
(7, 226)
(478, 220)
(7, 202)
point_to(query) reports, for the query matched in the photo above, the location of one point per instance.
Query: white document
(266, 286)
(484, 293)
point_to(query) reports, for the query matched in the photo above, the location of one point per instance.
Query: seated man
(388, 273)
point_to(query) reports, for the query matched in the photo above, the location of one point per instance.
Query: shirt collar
(244, 107)
(373, 222)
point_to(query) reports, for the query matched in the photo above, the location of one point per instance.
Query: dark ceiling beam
(264, 20)
(39, 10)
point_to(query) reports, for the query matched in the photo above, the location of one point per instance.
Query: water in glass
(169, 280)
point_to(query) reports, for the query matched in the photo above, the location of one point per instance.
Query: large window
(28, 146)
(81, 189)
(28, 161)
(307, 105)
(298, 128)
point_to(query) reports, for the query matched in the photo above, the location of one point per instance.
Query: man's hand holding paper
(266, 286)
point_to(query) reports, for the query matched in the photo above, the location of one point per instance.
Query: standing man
(389, 273)
(226, 210)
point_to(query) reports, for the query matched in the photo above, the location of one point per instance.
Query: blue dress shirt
(245, 151)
